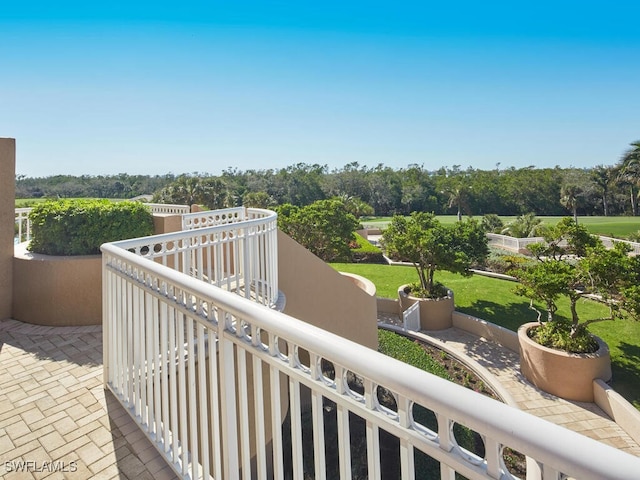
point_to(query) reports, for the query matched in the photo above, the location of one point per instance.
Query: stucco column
(7, 220)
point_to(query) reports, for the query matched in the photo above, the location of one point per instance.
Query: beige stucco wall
(319, 295)
(63, 290)
(55, 290)
(7, 221)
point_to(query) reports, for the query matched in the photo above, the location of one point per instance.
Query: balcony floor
(504, 365)
(54, 410)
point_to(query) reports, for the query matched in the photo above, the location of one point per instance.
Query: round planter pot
(435, 313)
(57, 290)
(565, 375)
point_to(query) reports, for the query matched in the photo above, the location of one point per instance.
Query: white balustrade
(210, 218)
(227, 388)
(165, 208)
(23, 223)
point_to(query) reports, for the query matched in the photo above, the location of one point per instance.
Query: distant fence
(520, 244)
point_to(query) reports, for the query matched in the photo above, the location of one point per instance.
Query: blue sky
(158, 87)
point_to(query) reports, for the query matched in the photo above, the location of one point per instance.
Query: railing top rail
(549, 443)
(222, 211)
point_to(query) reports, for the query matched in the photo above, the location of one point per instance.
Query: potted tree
(560, 355)
(430, 246)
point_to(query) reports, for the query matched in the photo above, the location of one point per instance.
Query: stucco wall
(57, 291)
(7, 221)
(319, 295)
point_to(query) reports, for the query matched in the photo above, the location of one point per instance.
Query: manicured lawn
(618, 227)
(493, 300)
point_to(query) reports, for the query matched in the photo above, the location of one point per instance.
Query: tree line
(602, 190)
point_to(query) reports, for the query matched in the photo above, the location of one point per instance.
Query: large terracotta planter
(435, 313)
(566, 375)
(57, 290)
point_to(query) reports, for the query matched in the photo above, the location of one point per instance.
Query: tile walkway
(55, 414)
(585, 418)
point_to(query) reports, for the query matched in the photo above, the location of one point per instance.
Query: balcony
(205, 377)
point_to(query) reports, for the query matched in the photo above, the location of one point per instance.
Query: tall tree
(629, 173)
(570, 198)
(602, 178)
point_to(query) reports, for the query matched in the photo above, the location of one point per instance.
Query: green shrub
(80, 226)
(557, 334)
(362, 251)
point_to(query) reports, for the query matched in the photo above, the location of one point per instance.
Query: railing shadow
(78, 345)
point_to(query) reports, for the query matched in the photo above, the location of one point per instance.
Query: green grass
(493, 300)
(618, 227)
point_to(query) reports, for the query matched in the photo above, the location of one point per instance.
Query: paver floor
(56, 420)
(504, 364)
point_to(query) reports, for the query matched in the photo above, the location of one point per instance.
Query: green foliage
(609, 274)
(362, 251)
(79, 227)
(325, 228)
(408, 351)
(524, 226)
(492, 223)
(557, 335)
(430, 246)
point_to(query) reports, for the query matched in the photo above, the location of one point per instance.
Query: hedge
(362, 251)
(80, 226)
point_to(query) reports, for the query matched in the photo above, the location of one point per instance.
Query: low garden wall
(56, 290)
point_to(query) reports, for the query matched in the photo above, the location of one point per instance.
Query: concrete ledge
(620, 411)
(56, 290)
(362, 283)
(488, 330)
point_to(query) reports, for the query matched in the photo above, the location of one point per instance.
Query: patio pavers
(56, 415)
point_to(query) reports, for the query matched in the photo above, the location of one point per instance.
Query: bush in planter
(430, 246)
(574, 264)
(80, 226)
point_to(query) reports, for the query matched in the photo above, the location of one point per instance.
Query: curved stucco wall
(319, 295)
(56, 291)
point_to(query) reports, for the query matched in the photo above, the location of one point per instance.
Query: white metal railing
(511, 243)
(609, 242)
(23, 224)
(210, 218)
(227, 388)
(240, 257)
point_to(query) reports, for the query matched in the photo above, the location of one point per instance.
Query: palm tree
(569, 198)
(629, 173)
(458, 198)
(602, 177)
(524, 226)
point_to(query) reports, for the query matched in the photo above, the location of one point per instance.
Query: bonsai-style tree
(430, 246)
(575, 264)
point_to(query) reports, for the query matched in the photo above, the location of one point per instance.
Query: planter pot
(57, 290)
(565, 375)
(435, 313)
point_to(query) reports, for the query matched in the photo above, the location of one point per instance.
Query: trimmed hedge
(80, 226)
(362, 251)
